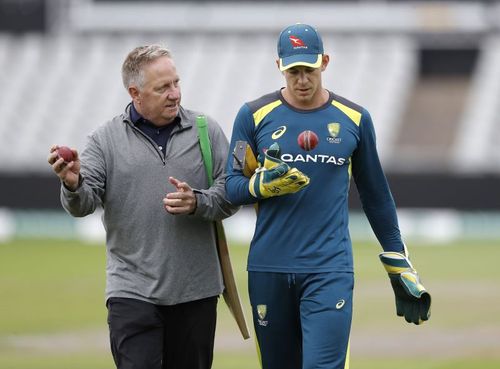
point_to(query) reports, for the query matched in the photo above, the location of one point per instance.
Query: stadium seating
(59, 86)
(57, 89)
(479, 127)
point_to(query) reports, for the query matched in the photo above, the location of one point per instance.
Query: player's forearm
(384, 222)
(237, 190)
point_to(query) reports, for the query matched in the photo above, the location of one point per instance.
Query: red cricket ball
(308, 140)
(65, 153)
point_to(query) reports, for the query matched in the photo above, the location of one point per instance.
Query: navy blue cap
(300, 44)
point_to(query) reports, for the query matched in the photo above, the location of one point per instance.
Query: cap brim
(306, 60)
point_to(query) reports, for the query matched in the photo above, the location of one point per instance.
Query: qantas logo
(297, 42)
(318, 158)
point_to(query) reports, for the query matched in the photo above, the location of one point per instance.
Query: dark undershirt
(160, 135)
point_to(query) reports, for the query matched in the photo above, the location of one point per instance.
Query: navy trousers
(302, 321)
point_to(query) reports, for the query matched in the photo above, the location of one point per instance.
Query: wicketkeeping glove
(275, 177)
(412, 300)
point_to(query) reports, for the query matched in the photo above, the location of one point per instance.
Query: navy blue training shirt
(307, 232)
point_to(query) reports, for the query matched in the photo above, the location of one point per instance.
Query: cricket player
(309, 142)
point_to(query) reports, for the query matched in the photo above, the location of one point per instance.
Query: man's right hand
(275, 177)
(69, 173)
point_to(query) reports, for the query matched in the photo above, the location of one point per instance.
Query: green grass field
(52, 313)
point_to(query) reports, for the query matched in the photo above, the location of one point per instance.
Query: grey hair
(133, 66)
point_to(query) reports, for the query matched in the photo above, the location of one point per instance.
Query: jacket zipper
(159, 152)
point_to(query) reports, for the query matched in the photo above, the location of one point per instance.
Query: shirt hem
(274, 269)
(160, 301)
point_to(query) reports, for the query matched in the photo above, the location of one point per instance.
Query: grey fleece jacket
(152, 255)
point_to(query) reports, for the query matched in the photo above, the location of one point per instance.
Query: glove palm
(275, 177)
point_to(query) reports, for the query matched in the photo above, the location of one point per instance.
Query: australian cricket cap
(299, 44)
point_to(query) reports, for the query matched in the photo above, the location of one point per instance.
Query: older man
(145, 169)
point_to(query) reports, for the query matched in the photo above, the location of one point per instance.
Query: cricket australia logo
(334, 130)
(261, 313)
(278, 133)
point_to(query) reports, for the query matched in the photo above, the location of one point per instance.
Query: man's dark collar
(137, 118)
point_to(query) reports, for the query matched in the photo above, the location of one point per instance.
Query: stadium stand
(479, 126)
(60, 83)
(61, 87)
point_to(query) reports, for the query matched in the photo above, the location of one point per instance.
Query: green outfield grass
(52, 313)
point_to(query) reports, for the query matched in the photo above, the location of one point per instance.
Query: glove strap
(396, 262)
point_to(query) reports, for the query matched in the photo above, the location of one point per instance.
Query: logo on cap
(297, 42)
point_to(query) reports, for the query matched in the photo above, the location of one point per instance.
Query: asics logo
(340, 304)
(278, 133)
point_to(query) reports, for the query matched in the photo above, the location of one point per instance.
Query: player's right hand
(275, 177)
(69, 173)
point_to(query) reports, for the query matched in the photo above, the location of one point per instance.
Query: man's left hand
(412, 300)
(183, 201)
